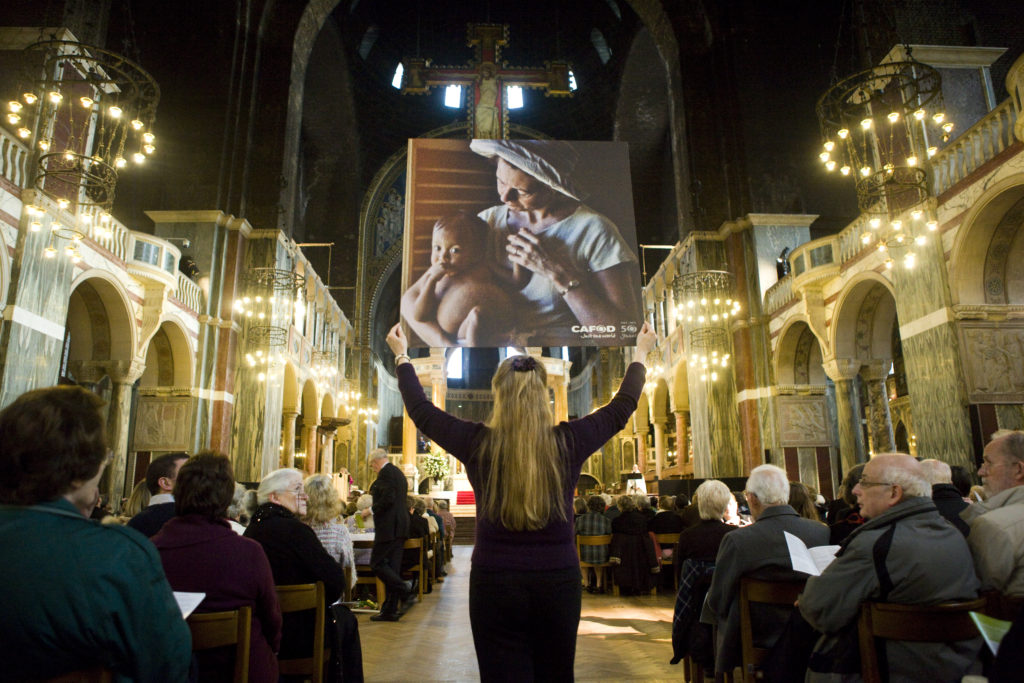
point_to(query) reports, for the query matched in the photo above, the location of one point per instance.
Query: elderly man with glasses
(905, 553)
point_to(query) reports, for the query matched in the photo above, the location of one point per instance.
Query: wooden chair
(604, 577)
(218, 629)
(1000, 606)
(945, 623)
(365, 575)
(299, 598)
(765, 592)
(668, 541)
(421, 566)
(98, 674)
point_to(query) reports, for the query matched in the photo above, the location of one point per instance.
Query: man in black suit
(391, 524)
(160, 477)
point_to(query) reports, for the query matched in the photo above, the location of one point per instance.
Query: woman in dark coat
(295, 553)
(694, 557)
(634, 549)
(202, 554)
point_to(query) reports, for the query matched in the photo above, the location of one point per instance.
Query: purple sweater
(554, 546)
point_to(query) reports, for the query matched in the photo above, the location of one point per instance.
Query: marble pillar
(408, 439)
(309, 444)
(879, 419)
(124, 376)
(288, 437)
(327, 450)
(659, 445)
(843, 373)
(682, 440)
(561, 398)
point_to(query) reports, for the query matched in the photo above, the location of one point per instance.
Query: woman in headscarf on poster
(567, 260)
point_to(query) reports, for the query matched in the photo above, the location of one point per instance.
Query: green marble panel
(936, 395)
(1010, 416)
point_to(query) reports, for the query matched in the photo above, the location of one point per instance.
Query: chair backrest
(667, 540)
(603, 539)
(299, 598)
(944, 623)
(218, 629)
(98, 674)
(1002, 606)
(763, 592)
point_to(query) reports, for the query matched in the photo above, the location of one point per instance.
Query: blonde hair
(323, 502)
(524, 475)
(138, 499)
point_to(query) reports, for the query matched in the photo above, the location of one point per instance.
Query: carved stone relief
(803, 421)
(162, 424)
(993, 360)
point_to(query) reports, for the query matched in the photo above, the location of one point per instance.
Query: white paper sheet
(809, 560)
(187, 602)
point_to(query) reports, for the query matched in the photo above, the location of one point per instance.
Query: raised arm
(419, 308)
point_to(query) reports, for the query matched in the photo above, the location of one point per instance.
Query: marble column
(879, 418)
(659, 445)
(843, 373)
(124, 376)
(682, 441)
(288, 436)
(408, 439)
(327, 450)
(309, 444)
(561, 398)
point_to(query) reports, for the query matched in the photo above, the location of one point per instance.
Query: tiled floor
(620, 639)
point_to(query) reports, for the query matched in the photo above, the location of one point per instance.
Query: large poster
(520, 243)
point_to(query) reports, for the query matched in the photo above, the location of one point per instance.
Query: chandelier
(324, 368)
(88, 113)
(272, 298)
(880, 127)
(704, 306)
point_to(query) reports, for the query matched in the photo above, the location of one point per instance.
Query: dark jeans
(386, 563)
(524, 623)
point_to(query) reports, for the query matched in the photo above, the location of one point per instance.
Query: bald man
(905, 553)
(997, 523)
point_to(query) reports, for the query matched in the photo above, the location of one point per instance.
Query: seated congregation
(275, 565)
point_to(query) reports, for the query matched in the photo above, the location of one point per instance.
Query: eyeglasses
(298, 492)
(864, 483)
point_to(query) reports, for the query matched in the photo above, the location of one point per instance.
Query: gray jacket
(997, 540)
(925, 560)
(759, 551)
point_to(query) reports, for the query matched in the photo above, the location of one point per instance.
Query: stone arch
(289, 390)
(987, 260)
(798, 355)
(864, 317)
(100, 323)
(680, 387)
(327, 406)
(310, 407)
(628, 454)
(169, 358)
(587, 482)
(660, 402)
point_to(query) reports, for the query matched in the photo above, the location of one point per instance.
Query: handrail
(13, 158)
(978, 144)
(189, 294)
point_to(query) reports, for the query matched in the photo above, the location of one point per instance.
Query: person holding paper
(905, 553)
(76, 594)
(759, 551)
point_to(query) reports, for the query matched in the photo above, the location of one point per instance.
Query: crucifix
(487, 77)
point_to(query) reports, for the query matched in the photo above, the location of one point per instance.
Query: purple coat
(203, 556)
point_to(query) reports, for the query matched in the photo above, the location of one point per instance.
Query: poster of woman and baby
(520, 243)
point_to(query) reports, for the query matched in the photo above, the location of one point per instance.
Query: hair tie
(524, 364)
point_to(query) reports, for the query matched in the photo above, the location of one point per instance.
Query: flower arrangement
(435, 465)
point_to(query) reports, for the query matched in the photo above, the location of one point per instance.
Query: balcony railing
(189, 294)
(979, 143)
(13, 158)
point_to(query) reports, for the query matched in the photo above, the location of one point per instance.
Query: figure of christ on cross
(488, 77)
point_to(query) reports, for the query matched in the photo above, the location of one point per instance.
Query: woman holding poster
(577, 274)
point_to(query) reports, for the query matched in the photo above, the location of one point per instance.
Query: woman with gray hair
(295, 553)
(694, 563)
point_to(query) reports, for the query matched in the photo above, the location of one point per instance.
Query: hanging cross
(488, 77)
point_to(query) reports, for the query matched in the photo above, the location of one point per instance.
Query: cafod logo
(593, 329)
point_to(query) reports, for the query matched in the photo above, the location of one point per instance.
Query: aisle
(620, 639)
